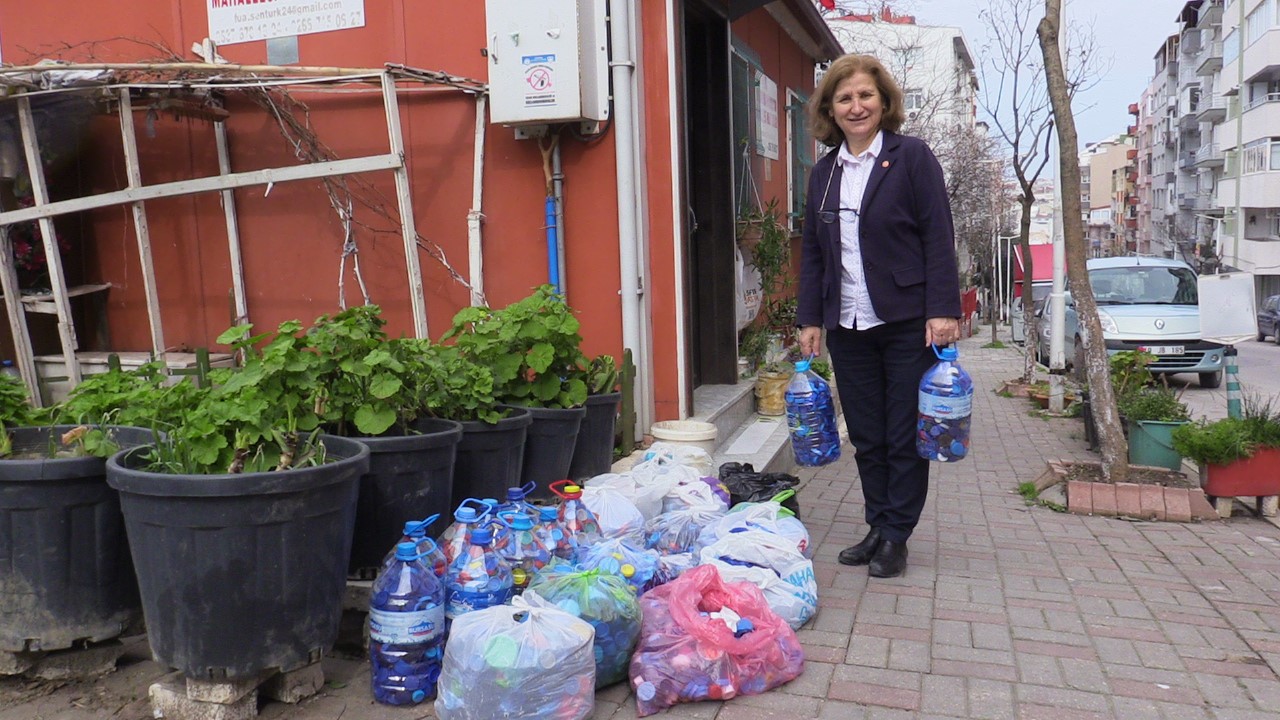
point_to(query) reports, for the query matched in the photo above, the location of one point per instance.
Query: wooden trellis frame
(136, 194)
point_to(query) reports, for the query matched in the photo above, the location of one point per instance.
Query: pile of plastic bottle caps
(523, 611)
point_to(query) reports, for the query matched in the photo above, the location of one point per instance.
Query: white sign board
(238, 21)
(1227, 313)
(766, 116)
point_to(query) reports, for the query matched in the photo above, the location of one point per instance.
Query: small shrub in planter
(1156, 403)
(1237, 456)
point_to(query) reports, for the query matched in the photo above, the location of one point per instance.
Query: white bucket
(686, 432)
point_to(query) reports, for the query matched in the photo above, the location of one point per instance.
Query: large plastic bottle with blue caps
(406, 629)
(525, 553)
(946, 405)
(471, 514)
(580, 524)
(478, 578)
(811, 418)
(552, 534)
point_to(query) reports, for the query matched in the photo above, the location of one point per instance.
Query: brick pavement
(1006, 611)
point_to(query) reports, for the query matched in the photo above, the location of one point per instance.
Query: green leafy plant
(764, 234)
(15, 410)
(1156, 403)
(531, 346)
(1221, 442)
(453, 387)
(601, 375)
(753, 344)
(1129, 373)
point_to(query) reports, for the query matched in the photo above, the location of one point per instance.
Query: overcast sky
(1128, 33)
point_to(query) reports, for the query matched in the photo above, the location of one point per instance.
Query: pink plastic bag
(688, 655)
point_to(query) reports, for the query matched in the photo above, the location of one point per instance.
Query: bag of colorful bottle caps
(646, 496)
(700, 492)
(603, 599)
(705, 639)
(524, 660)
(672, 566)
(624, 557)
(678, 531)
(786, 578)
(769, 516)
(617, 515)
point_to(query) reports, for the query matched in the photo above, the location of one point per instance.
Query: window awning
(1041, 262)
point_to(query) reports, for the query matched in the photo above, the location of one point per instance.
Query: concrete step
(743, 435)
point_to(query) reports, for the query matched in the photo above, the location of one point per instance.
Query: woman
(878, 272)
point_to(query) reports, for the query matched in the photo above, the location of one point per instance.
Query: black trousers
(878, 375)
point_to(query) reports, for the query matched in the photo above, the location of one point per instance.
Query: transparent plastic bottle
(7, 368)
(478, 578)
(580, 524)
(525, 553)
(471, 513)
(415, 531)
(516, 501)
(811, 418)
(946, 404)
(406, 630)
(551, 533)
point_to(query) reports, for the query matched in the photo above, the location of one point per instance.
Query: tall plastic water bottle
(7, 368)
(415, 531)
(478, 578)
(516, 501)
(551, 533)
(946, 403)
(471, 513)
(579, 523)
(811, 418)
(525, 553)
(406, 630)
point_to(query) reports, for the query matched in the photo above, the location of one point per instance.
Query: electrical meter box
(548, 62)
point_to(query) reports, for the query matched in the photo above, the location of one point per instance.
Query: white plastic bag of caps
(767, 516)
(774, 552)
(526, 660)
(749, 293)
(791, 603)
(617, 515)
(647, 496)
(665, 454)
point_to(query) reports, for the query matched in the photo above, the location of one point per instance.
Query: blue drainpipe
(553, 258)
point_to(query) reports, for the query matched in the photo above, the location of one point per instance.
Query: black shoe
(861, 553)
(889, 561)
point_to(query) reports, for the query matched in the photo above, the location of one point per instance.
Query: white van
(1149, 304)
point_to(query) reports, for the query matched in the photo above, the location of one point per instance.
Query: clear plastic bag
(671, 567)
(647, 496)
(767, 516)
(621, 556)
(798, 601)
(678, 531)
(687, 654)
(603, 599)
(696, 494)
(615, 512)
(518, 661)
(686, 455)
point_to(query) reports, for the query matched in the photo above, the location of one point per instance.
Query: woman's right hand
(810, 338)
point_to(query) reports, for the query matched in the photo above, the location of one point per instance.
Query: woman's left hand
(941, 331)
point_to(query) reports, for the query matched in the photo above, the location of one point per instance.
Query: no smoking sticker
(539, 79)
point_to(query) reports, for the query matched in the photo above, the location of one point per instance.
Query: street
(1257, 363)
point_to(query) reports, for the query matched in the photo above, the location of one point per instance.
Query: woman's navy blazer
(907, 239)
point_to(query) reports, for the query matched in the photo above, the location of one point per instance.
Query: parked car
(1149, 304)
(1039, 293)
(1269, 319)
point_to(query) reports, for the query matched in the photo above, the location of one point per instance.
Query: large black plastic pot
(410, 478)
(241, 574)
(67, 576)
(490, 457)
(593, 453)
(548, 449)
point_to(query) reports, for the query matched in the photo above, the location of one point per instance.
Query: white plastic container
(686, 432)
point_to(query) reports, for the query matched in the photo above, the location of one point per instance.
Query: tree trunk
(1115, 451)
(1029, 332)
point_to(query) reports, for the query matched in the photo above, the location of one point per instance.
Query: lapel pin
(884, 164)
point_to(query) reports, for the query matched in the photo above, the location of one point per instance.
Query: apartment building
(1099, 204)
(1208, 187)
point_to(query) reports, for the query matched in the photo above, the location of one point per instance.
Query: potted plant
(369, 388)
(240, 518)
(532, 347)
(593, 451)
(71, 580)
(1237, 456)
(771, 387)
(1151, 414)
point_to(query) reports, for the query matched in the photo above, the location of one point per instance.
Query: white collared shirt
(856, 311)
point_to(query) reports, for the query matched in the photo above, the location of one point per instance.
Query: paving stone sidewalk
(1006, 611)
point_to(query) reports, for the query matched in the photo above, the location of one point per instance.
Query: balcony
(1202, 200)
(1209, 156)
(1210, 14)
(1212, 109)
(1211, 59)
(1186, 201)
(1186, 160)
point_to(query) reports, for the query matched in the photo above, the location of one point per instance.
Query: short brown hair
(842, 68)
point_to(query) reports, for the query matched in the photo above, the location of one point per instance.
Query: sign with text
(238, 21)
(766, 116)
